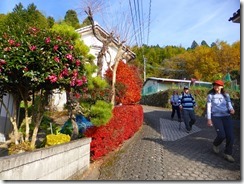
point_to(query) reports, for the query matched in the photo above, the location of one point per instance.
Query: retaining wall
(58, 162)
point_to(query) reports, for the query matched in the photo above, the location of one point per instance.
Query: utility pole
(144, 61)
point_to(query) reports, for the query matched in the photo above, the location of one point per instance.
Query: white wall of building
(95, 46)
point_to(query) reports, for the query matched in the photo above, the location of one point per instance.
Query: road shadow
(195, 147)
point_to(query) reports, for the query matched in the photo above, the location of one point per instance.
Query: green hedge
(162, 99)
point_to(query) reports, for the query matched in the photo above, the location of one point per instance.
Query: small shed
(154, 85)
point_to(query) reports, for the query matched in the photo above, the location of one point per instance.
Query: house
(154, 85)
(59, 99)
(95, 45)
(236, 18)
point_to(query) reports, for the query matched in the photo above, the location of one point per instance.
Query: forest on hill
(200, 62)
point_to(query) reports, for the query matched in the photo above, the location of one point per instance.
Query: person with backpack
(187, 104)
(219, 110)
(174, 100)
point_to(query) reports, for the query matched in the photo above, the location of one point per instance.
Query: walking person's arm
(209, 105)
(229, 104)
(179, 101)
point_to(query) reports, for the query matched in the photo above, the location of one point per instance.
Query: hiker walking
(174, 100)
(187, 104)
(219, 109)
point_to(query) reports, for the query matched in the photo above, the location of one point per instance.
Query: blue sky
(172, 22)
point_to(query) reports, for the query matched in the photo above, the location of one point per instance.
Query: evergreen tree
(213, 44)
(22, 18)
(2, 19)
(86, 22)
(194, 45)
(71, 19)
(204, 43)
(50, 21)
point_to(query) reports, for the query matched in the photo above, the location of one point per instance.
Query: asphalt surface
(163, 151)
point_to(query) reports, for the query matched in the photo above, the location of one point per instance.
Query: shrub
(128, 84)
(100, 113)
(53, 139)
(19, 148)
(126, 120)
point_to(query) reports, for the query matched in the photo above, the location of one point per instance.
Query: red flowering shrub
(126, 120)
(129, 83)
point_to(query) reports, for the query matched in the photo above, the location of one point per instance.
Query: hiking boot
(190, 127)
(191, 122)
(229, 158)
(188, 131)
(216, 149)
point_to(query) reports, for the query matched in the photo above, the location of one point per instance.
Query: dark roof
(236, 17)
(104, 33)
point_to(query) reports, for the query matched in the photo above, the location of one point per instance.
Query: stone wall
(58, 162)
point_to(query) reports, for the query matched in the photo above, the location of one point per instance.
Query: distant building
(236, 18)
(154, 85)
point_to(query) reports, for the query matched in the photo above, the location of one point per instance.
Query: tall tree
(22, 18)
(50, 21)
(204, 43)
(194, 45)
(86, 22)
(71, 18)
(213, 44)
(106, 42)
(35, 60)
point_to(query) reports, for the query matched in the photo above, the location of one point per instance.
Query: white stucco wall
(95, 46)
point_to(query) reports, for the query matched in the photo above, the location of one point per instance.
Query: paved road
(162, 151)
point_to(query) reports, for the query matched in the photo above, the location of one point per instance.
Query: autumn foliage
(128, 83)
(127, 118)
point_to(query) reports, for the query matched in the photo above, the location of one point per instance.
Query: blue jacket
(218, 105)
(174, 100)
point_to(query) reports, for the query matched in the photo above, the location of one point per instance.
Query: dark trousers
(189, 118)
(224, 129)
(177, 109)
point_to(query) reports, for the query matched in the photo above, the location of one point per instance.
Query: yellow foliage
(53, 139)
(205, 63)
(19, 148)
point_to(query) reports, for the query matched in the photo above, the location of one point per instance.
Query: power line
(133, 22)
(149, 20)
(138, 26)
(139, 22)
(142, 13)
